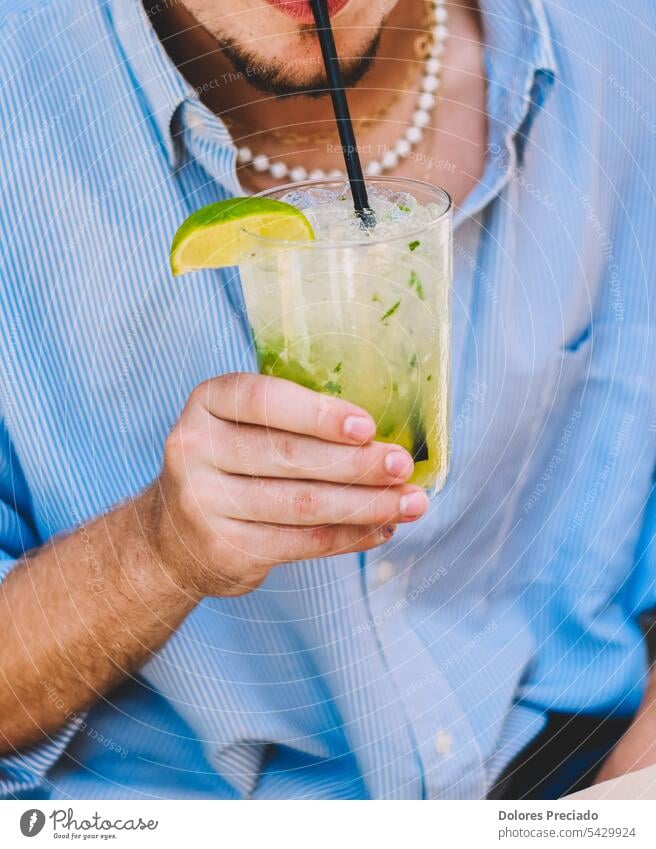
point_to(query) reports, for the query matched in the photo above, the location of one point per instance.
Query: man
(218, 585)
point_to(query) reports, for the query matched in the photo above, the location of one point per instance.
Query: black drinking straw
(342, 114)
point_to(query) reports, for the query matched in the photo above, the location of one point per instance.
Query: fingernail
(389, 531)
(413, 504)
(398, 464)
(359, 427)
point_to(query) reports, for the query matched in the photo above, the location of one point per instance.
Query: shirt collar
(520, 63)
(521, 68)
(162, 85)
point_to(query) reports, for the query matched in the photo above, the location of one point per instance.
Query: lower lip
(301, 10)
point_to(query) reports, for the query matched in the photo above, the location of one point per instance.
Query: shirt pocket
(537, 547)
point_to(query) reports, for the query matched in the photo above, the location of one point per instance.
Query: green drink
(363, 314)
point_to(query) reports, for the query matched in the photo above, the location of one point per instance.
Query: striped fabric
(419, 670)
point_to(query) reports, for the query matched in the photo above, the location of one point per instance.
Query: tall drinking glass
(363, 314)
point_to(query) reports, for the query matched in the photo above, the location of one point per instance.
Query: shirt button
(443, 742)
(385, 571)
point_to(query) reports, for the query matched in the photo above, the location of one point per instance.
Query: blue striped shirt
(419, 670)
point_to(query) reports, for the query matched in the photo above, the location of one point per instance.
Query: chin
(289, 62)
(302, 71)
(275, 45)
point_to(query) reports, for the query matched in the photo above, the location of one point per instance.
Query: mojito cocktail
(363, 313)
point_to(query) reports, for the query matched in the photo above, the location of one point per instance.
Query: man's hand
(637, 748)
(259, 471)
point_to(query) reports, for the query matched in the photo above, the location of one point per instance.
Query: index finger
(283, 405)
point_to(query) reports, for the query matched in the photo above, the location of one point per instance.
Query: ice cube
(331, 214)
(300, 198)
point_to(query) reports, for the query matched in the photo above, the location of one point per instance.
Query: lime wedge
(217, 235)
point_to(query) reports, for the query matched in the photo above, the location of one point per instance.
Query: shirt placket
(449, 757)
(446, 745)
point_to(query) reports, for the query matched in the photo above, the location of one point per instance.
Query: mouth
(301, 10)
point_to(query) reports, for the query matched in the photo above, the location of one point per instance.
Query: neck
(301, 124)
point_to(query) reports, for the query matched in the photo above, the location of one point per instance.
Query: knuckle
(378, 507)
(244, 553)
(228, 382)
(322, 539)
(286, 451)
(233, 445)
(250, 390)
(173, 447)
(222, 385)
(183, 443)
(193, 441)
(325, 408)
(198, 395)
(222, 440)
(306, 504)
(363, 462)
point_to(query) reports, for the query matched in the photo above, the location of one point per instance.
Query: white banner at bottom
(327, 825)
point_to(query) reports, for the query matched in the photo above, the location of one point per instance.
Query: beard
(280, 79)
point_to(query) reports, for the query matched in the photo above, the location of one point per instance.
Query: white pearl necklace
(403, 147)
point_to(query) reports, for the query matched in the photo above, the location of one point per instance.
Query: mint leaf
(415, 283)
(390, 312)
(332, 387)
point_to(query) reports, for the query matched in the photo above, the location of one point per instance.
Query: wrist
(153, 569)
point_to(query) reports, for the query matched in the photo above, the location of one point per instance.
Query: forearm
(78, 615)
(637, 748)
(647, 712)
